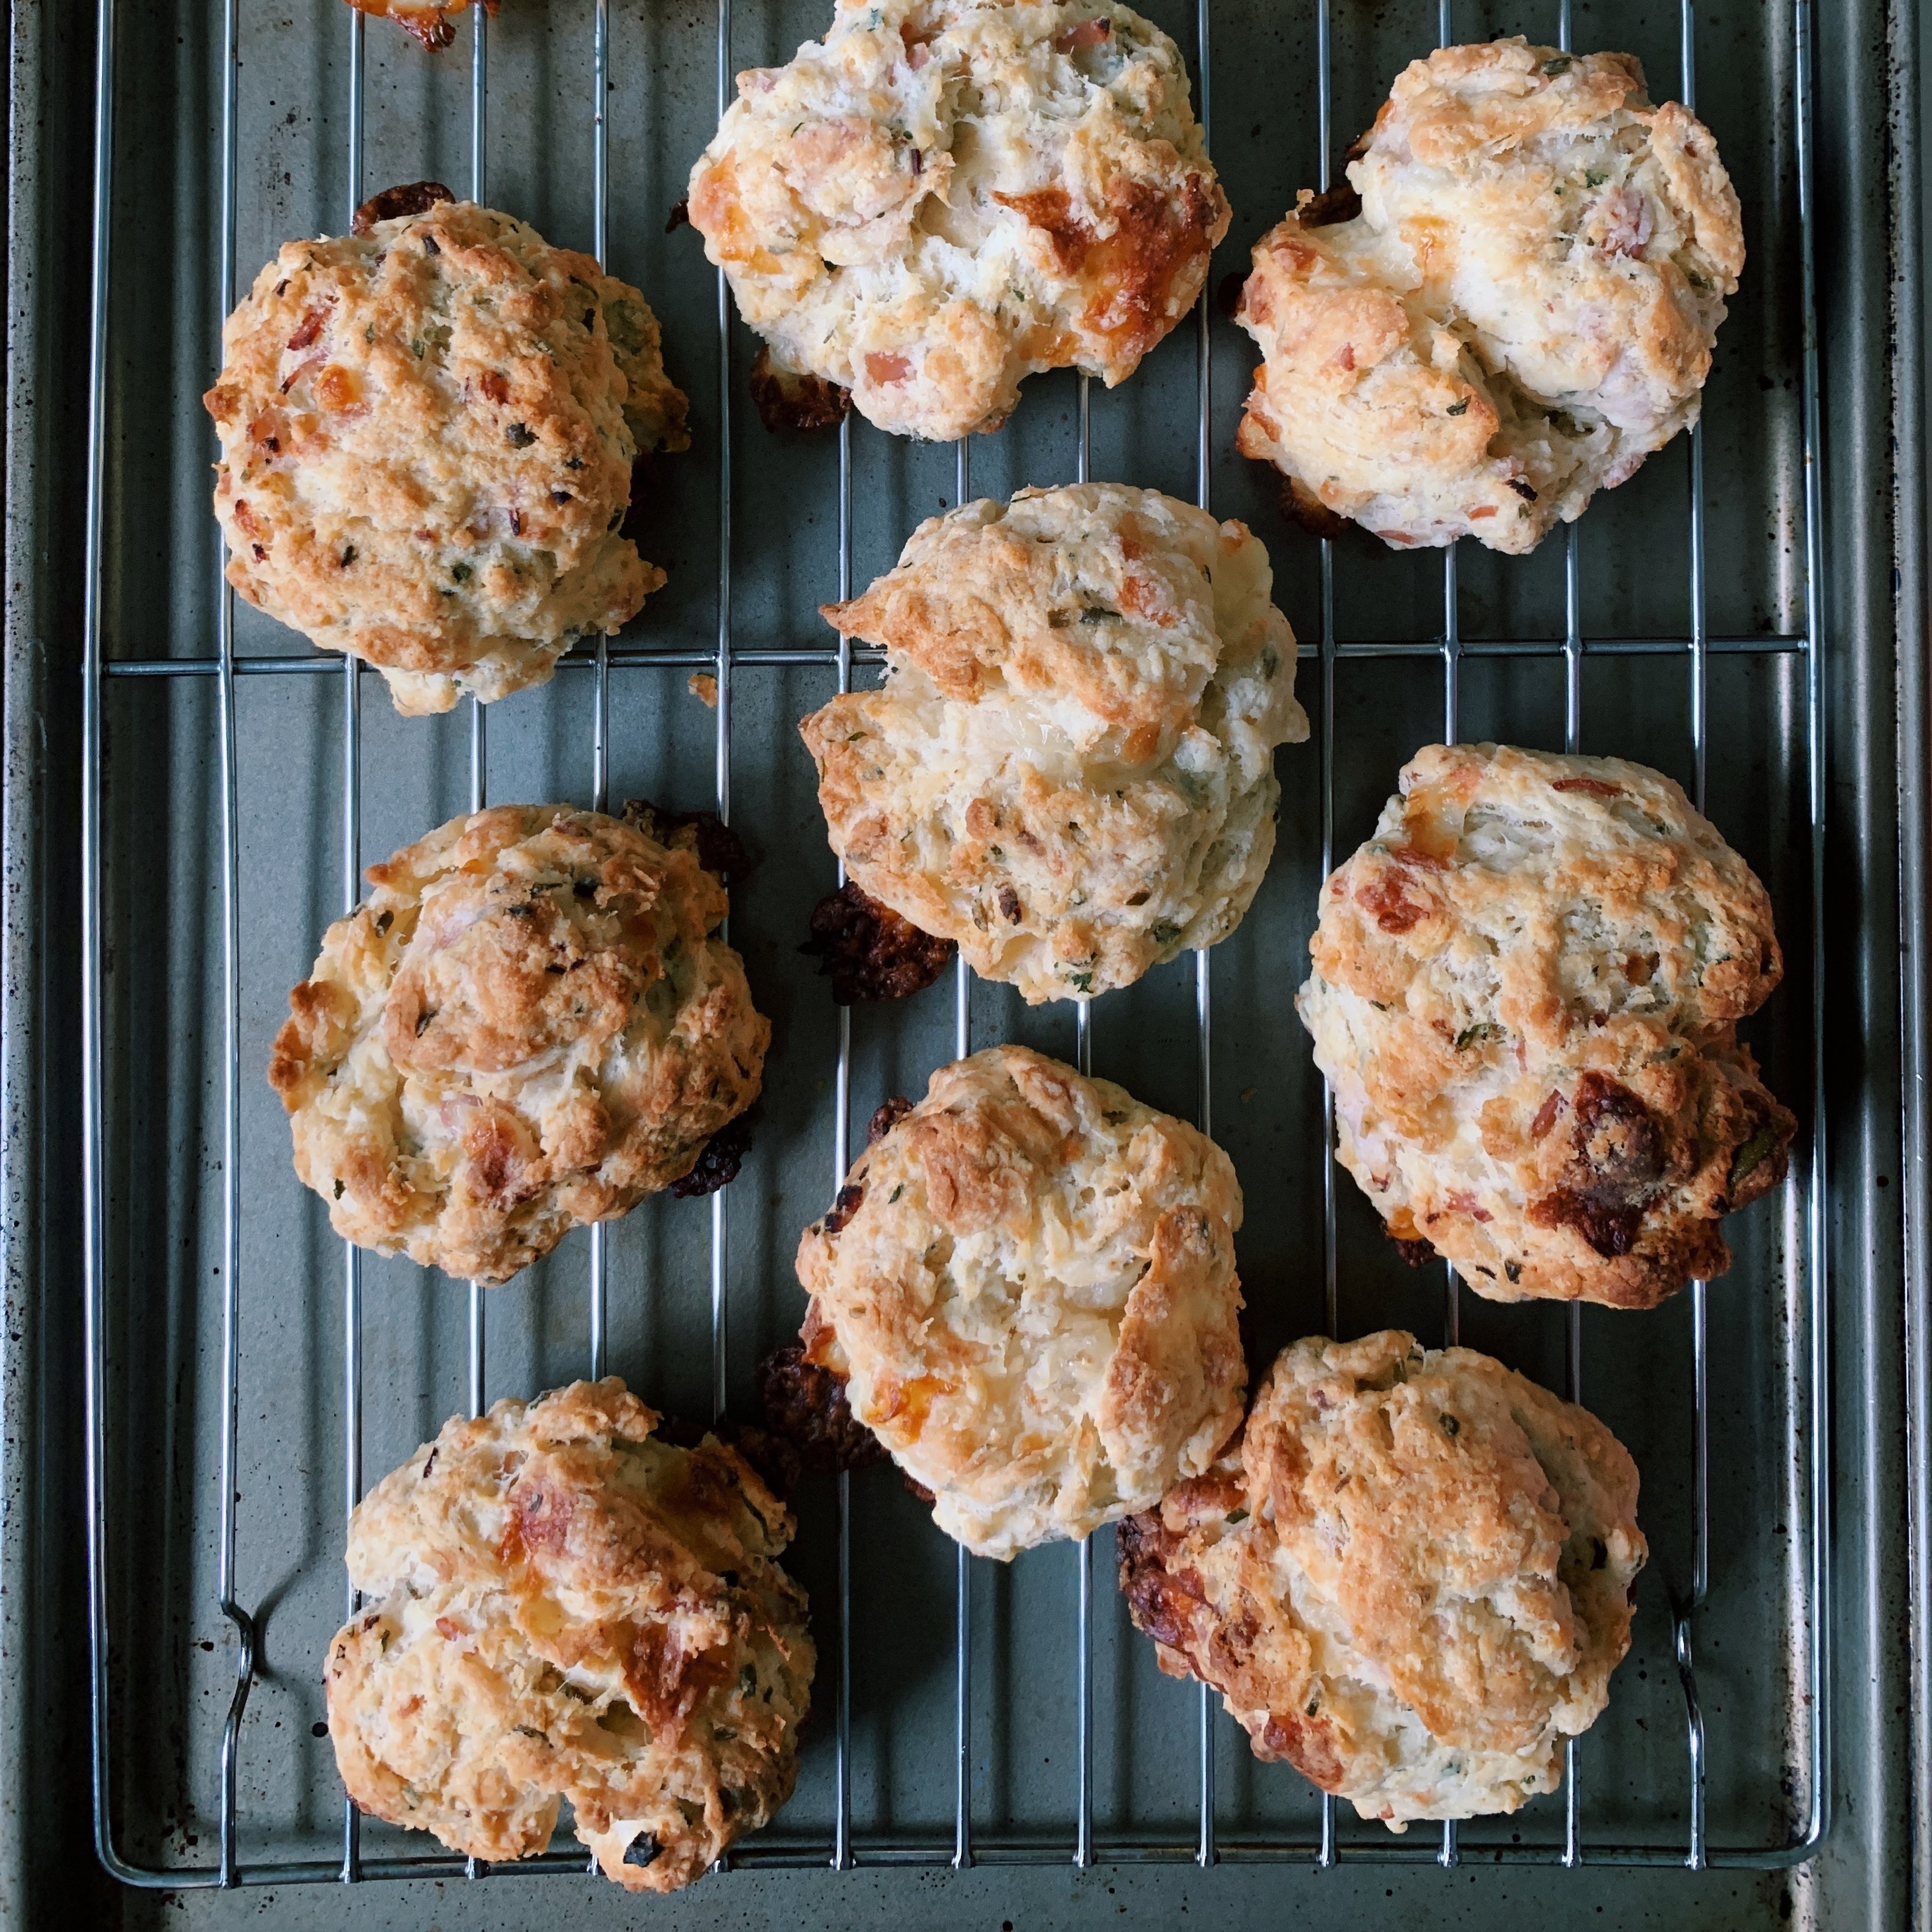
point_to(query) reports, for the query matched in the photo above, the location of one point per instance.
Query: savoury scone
(1526, 994)
(561, 1605)
(526, 1025)
(1412, 1577)
(1070, 769)
(945, 196)
(1028, 1281)
(432, 21)
(427, 431)
(1511, 308)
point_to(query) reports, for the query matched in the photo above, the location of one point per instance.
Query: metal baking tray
(199, 1379)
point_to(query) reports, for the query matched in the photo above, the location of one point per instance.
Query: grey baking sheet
(173, 1659)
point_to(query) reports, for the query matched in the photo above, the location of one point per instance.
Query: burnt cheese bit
(406, 198)
(718, 1163)
(805, 1405)
(885, 1118)
(787, 400)
(719, 849)
(868, 951)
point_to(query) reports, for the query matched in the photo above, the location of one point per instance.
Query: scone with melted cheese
(1526, 994)
(944, 196)
(1028, 1281)
(1410, 1579)
(427, 431)
(560, 1605)
(1069, 770)
(527, 1025)
(1513, 304)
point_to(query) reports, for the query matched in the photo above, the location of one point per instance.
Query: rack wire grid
(259, 1787)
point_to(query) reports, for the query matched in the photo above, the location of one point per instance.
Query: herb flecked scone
(427, 431)
(1070, 769)
(562, 1606)
(1526, 994)
(1411, 1578)
(527, 1025)
(945, 196)
(1028, 1282)
(1512, 304)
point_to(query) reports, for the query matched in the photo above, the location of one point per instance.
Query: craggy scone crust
(1069, 770)
(426, 436)
(944, 196)
(1522, 310)
(1525, 993)
(1411, 1578)
(526, 1025)
(1029, 1282)
(561, 1605)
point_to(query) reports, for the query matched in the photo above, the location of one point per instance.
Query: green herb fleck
(1163, 931)
(1595, 177)
(895, 1194)
(1270, 663)
(1081, 983)
(1753, 1154)
(1451, 1426)
(1461, 408)
(1474, 1036)
(1238, 1516)
(1558, 64)
(461, 572)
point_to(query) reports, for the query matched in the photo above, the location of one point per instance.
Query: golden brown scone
(1412, 1577)
(426, 434)
(1525, 993)
(1028, 1282)
(526, 1025)
(1070, 769)
(945, 196)
(432, 21)
(562, 1606)
(1513, 307)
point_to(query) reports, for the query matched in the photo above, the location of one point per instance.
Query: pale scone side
(945, 196)
(1070, 769)
(1030, 1283)
(561, 1605)
(1526, 993)
(528, 1024)
(1412, 1579)
(427, 433)
(1513, 305)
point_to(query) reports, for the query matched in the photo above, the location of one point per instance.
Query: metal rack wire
(725, 660)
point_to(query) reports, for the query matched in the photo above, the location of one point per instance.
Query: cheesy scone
(1411, 1578)
(1070, 769)
(1526, 993)
(529, 1024)
(944, 196)
(1028, 1284)
(428, 428)
(1510, 306)
(561, 1605)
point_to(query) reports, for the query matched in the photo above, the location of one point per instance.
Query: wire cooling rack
(845, 1844)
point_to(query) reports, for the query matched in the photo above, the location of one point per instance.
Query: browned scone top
(427, 429)
(528, 1024)
(563, 1605)
(1028, 1281)
(1525, 992)
(1410, 1577)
